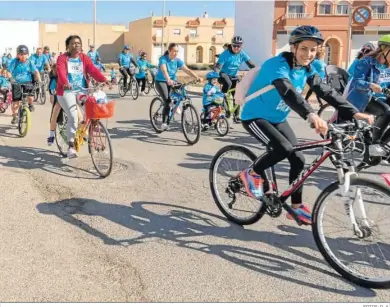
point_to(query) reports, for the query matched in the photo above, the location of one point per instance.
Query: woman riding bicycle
(366, 49)
(228, 65)
(73, 68)
(166, 77)
(277, 88)
(364, 91)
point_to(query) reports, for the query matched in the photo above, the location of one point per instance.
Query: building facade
(199, 39)
(330, 16)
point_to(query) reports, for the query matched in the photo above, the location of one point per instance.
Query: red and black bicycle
(356, 203)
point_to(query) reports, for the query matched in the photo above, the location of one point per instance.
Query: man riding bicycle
(40, 61)
(228, 65)
(47, 54)
(93, 54)
(124, 60)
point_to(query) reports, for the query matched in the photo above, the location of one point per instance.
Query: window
(159, 33)
(295, 8)
(378, 7)
(176, 32)
(219, 33)
(193, 33)
(325, 8)
(357, 32)
(342, 8)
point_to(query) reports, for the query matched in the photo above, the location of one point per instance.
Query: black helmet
(237, 40)
(304, 33)
(22, 49)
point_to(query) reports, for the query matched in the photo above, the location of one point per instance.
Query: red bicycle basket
(95, 110)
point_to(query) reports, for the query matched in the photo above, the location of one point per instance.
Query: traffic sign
(362, 15)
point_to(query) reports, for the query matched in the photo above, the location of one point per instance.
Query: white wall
(15, 33)
(282, 43)
(254, 21)
(359, 40)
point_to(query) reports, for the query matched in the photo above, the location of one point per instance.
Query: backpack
(243, 87)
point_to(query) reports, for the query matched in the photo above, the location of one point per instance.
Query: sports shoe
(377, 150)
(71, 153)
(303, 212)
(164, 127)
(50, 140)
(253, 183)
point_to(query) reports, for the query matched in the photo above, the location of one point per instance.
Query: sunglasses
(236, 46)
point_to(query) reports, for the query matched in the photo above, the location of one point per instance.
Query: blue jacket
(367, 70)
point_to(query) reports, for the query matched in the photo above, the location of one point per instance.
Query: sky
(119, 12)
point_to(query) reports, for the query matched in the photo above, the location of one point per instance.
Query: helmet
(22, 49)
(126, 47)
(304, 33)
(369, 46)
(384, 40)
(237, 40)
(212, 75)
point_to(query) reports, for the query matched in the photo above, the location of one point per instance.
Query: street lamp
(94, 22)
(162, 33)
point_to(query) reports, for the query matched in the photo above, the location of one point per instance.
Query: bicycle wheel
(190, 122)
(24, 122)
(154, 88)
(42, 94)
(60, 134)
(232, 192)
(333, 246)
(134, 89)
(155, 114)
(99, 143)
(326, 112)
(147, 88)
(121, 88)
(36, 95)
(222, 126)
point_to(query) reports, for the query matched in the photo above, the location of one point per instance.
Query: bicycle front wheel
(121, 88)
(155, 114)
(222, 126)
(190, 123)
(100, 148)
(42, 95)
(134, 89)
(227, 189)
(360, 257)
(24, 122)
(60, 134)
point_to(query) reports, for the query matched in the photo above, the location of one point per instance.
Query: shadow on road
(192, 228)
(142, 130)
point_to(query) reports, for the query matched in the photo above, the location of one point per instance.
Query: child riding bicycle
(212, 97)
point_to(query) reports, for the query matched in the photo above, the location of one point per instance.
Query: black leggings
(125, 71)
(164, 91)
(282, 139)
(142, 82)
(227, 84)
(382, 112)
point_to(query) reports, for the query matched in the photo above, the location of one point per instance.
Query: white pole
(94, 22)
(162, 34)
(349, 38)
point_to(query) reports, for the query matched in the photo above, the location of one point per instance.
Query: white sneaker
(164, 127)
(377, 151)
(71, 153)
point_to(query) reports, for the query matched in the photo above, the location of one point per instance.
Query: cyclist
(211, 91)
(24, 72)
(7, 61)
(54, 101)
(228, 65)
(366, 49)
(277, 88)
(4, 84)
(319, 66)
(124, 60)
(73, 69)
(47, 54)
(113, 75)
(166, 77)
(143, 65)
(40, 61)
(364, 91)
(93, 54)
(225, 47)
(3, 59)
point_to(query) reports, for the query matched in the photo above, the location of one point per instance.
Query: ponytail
(166, 53)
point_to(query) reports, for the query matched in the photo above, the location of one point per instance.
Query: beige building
(109, 38)
(199, 39)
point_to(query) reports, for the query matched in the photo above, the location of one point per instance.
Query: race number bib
(75, 68)
(384, 76)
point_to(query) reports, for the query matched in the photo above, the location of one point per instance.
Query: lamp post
(94, 22)
(162, 32)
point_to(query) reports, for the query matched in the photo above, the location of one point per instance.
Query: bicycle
(229, 105)
(90, 130)
(217, 119)
(338, 144)
(40, 92)
(24, 114)
(132, 87)
(5, 103)
(188, 113)
(150, 81)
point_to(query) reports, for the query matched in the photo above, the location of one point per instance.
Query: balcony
(156, 39)
(218, 39)
(194, 39)
(381, 16)
(298, 15)
(158, 23)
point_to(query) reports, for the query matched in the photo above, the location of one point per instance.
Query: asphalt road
(150, 231)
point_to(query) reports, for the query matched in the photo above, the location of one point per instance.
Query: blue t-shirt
(52, 85)
(231, 62)
(319, 66)
(113, 74)
(4, 59)
(172, 67)
(210, 93)
(22, 72)
(142, 65)
(270, 105)
(48, 57)
(4, 82)
(93, 55)
(39, 61)
(76, 74)
(125, 59)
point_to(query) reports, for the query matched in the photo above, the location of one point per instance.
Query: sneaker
(71, 153)
(377, 151)
(31, 108)
(50, 140)
(205, 127)
(14, 120)
(164, 127)
(303, 212)
(253, 184)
